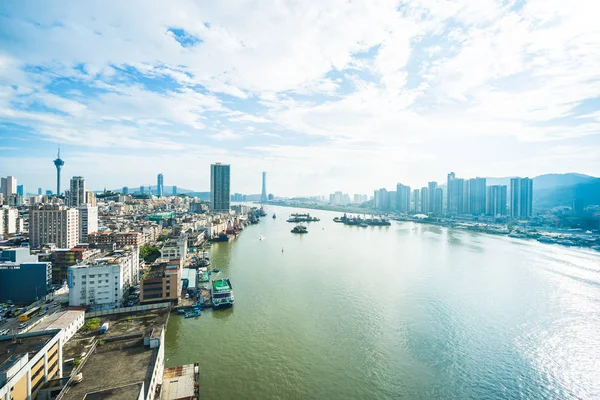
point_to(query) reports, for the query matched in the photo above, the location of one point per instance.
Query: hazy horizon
(323, 96)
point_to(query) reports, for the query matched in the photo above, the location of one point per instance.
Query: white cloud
(298, 75)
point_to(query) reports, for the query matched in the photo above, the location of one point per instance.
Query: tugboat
(222, 293)
(299, 229)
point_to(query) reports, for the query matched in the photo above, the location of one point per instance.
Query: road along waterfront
(406, 311)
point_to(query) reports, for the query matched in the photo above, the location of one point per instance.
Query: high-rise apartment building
(53, 224)
(9, 186)
(174, 190)
(39, 191)
(90, 198)
(424, 200)
(220, 187)
(431, 186)
(125, 190)
(391, 203)
(477, 193)
(339, 198)
(360, 198)
(263, 196)
(8, 220)
(160, 185)
(402, 198)
(438, 202)
(416, 208)
(455, 193)
(20, 190)
(381, 199)
(521, 197)
(88, 222)
(77, 192)
(496, 200)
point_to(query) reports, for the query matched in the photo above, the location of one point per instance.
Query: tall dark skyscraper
(263, 196)
(477, 193)
(174, 190)
(521, 197)
(454, 201)
(125, 190)
(220, 187)
(160, 185)
(58, 163)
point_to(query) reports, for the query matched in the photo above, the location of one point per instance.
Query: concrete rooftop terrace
(114, 369)
(120, 360)
(24, 343)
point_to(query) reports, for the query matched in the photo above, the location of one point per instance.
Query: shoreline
(472, 226)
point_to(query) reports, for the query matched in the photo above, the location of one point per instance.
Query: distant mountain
(553, 181)
(547, 181)
(549, 197)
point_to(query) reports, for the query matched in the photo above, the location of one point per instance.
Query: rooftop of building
(178, 382)
(120, 361)
(126, 392)
(135, 323)
(112, 366)
(60, 320)
(27, 343)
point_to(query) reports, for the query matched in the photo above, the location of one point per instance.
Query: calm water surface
(407, 311)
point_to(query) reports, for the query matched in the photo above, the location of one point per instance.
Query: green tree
(149, 253)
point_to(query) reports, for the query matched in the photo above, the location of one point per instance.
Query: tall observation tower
(263, 196)
(58, 163)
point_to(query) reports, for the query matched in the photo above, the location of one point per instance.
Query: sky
(323, 95)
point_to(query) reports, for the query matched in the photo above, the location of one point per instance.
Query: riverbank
(311, 206)
(563, 238)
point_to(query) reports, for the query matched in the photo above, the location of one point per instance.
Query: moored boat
(223, 237)
(299, 229)
(222, 293)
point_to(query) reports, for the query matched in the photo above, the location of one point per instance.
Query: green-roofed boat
(222, 293)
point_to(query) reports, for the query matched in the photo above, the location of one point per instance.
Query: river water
(408, 311)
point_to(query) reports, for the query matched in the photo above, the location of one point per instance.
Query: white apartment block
(175, 249)
(88, 222)
(96, 285)
(104, 282)
(53, 224)
(8, 220)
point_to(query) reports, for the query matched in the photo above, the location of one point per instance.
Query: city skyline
(385, 92)
(160, 185)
